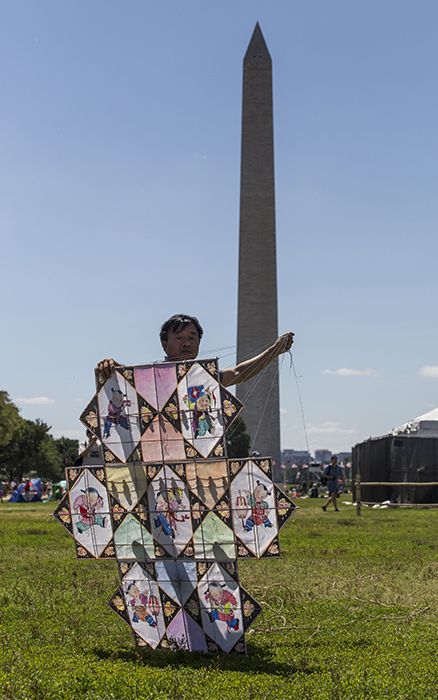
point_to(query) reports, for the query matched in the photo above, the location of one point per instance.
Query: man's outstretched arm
(249, 368)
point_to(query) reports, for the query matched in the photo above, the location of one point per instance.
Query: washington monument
(257, 324)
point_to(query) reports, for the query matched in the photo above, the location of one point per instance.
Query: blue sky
(120, 141)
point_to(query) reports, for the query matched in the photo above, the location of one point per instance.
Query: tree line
(28, 449)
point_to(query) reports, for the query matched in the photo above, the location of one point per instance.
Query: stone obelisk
(257, 326)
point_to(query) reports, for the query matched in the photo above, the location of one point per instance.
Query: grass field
(358, 596)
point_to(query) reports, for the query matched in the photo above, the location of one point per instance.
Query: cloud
(36, 401)
(345, 372)
(429, 371)
(328, 429)
(283, 410)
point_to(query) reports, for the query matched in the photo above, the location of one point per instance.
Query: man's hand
(283, 344)
(105, 368)
(248, 369)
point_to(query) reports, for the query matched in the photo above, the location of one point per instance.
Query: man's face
(182, 344)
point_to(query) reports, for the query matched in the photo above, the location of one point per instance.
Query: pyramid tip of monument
(257, 46)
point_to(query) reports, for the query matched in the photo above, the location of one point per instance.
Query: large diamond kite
(169, 506)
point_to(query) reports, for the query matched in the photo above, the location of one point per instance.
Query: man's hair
(177, 323)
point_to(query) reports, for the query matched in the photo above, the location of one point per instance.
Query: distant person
(1, 491)
(334, 475)
(27, 490)
(314, 491)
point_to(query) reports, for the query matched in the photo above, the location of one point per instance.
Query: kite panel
(185, 605)
(86, 513)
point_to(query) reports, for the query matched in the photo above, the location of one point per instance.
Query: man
(334, 475)
(180, 337)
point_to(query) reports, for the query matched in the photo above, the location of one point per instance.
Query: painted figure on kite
(168, 504)
(259, 508)
(115, 407)
(141, 603)
(200, 400)
(223, 603)
(86, 505)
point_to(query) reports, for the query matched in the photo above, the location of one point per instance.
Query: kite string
(254, 382)
(292, 367)
(277, 374)
(253, 386)
(274, 379)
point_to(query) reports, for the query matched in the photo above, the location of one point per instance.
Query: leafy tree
(238, 440)
(9, 418)
(31, 449)
(68, 450)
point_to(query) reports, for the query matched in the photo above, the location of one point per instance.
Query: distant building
(323, 455)
(295, 457)
(287, 456)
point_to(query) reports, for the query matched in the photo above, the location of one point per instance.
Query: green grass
(358, 597)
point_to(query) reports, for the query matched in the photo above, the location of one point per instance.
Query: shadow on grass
(258, 660)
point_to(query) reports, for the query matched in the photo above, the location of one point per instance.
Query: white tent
(423, 426)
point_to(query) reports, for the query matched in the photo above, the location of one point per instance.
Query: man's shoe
(324, 508)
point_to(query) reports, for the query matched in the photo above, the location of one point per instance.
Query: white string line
(214, 350)
(273, 405)
(264, 345)
(299, 397)
(260, 374)
(274, 379)
(254, 384)
(257, 379)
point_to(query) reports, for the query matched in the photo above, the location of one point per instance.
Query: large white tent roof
(423, 426)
